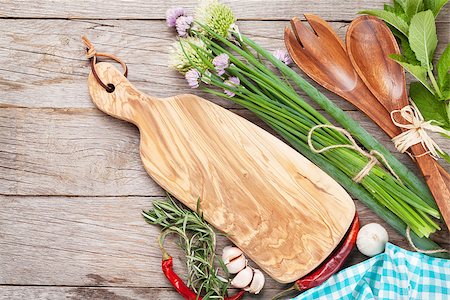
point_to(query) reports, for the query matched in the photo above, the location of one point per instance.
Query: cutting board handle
(122, 101)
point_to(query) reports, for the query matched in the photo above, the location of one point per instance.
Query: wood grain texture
(83, 293)
(101, 293)
(141, 9)
(52, 63)
(102, 241)
(48, 152)
(285, 213)
(52, 142)
(85, 152)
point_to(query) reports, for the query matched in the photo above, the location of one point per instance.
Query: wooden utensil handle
(437, 179)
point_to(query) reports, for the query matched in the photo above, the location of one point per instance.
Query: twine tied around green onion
(373, 161)
(411, 243)
(372, 155)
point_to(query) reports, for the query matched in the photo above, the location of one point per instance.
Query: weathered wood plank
(43, 62)
(86, 293)
(67, 162)
(101, 293)
(99, 241)
(122, 9)
(84, 242)
(85, 152)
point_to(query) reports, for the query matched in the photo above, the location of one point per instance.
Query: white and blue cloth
(395, 274)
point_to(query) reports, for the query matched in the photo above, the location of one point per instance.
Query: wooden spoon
(369, 42)
(283, 211)
(321, 54)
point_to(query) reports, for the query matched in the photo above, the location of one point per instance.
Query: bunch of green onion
(271, 96)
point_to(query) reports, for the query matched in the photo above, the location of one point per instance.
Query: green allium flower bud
(183, 56)
(217, 16)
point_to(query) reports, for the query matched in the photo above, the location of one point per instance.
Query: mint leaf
(407, 51)
(397, 33)
(412, 8)
(429, 106)
(396, 9)
(389, 8)
(445, 91)
(390, 18)
(399, 9)
(435, 5)
(419, 72)
(443, 67)
(422, 37)
(401, 3)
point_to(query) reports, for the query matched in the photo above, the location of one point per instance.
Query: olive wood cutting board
(285, 213)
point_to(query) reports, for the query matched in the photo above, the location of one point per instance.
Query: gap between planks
(125, 10)
(163, 20)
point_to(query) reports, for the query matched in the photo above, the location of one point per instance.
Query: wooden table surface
(72, 186)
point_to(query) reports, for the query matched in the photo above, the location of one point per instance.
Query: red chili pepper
(178, 284)
(333, 263)
(330, 265)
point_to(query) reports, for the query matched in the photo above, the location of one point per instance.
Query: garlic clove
(243, 278)
(257, 282)
(236, 264)
(229, 253)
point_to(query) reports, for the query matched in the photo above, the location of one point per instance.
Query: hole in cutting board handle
(110, 88)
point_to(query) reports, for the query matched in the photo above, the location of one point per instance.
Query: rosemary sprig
(198, 240)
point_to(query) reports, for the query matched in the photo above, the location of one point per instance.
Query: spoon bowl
(321, 54)
(369, 44)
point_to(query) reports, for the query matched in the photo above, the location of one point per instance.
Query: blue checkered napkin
(394, 274)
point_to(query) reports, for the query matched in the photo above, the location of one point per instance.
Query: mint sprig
(413, 22)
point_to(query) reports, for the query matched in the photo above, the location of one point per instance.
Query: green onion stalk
(234, 67)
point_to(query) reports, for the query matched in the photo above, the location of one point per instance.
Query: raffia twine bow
(416, 131)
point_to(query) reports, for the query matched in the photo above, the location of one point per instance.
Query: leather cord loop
(92, 55)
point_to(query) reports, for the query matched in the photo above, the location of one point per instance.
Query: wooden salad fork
(321, 54)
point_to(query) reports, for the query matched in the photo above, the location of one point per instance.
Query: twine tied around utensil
(416, 131)
(408, 237)
(372, 155)
(92, 55)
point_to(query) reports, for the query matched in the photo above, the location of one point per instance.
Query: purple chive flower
(233, 82)
(172, 14)
(221, 62)
(183, 24)
(192, 76)
(283, 55)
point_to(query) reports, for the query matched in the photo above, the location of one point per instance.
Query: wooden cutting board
(285, 213)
